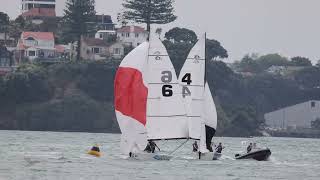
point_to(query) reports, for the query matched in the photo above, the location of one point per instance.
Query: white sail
(209, 110)
(192, 79)
(201, 110)
(166, 114)
(209, 120)
(130, 92)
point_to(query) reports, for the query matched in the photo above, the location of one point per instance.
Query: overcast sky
(288, 27)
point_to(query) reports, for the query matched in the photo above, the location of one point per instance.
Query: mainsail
(201, 110)
(166, 114)
(130, 93)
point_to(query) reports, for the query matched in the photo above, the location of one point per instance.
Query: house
(27, 5)
(132, 35)
(104, 22)
(106, 34)
(98, 49)
(296, 116)
(34, 45)
(39, 15)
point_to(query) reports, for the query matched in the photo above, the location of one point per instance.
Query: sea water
(57, 155)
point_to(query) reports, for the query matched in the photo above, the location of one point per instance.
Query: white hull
(150, 156)
(209, 156)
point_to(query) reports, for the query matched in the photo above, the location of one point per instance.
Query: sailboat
(200, 107)
(148, 101)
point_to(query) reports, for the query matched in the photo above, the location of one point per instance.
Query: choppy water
(48, 155)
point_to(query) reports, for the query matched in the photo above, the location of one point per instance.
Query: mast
(205, 59)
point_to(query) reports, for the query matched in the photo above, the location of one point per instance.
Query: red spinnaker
(131, 94)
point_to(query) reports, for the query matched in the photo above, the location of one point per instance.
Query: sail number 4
(167, 89)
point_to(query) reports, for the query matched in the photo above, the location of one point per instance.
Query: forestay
(166, 114)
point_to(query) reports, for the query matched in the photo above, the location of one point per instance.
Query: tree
(78, 18)
(181, 35)
(159, 31)
(4, 25)
(214, 50)
(179, 42)
(301, 61)
(148, 11)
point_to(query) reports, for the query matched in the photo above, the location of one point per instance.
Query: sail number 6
(166, 78)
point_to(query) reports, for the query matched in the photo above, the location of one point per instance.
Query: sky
(288, 27)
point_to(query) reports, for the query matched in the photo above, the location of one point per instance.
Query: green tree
(148, 11)
(181, 35)
(301, 61)
(215, 50)
(4, 25)
(79, 16)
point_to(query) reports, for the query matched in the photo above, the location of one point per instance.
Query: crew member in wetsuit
(151, 146)
(195, 146)
(249, 148)
(219, 148)
(95, 148)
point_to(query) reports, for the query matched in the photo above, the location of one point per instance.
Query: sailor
(195, 146)
(151, 146)
(95, 148)
(249, 148)
(219, 148)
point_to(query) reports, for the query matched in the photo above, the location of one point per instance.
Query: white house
(105, 34)
(132, 35)
(34, 45)
(98, 49)
(296, 116)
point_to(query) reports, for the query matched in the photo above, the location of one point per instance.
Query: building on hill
(104, 22)
(38, 45)
(27, 5)
(97, 49)
(39, 15)
(106, 35)
(132, 35)
(293, 117)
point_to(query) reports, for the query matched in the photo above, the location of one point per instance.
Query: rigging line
(179, 147)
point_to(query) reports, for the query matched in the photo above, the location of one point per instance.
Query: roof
(59, 48)
(40, 12)
(95, 42)
(133, 29)
(39, 35)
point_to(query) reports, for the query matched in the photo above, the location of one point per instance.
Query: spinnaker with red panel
(130, 99)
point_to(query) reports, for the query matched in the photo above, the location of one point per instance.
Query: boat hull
(151, 156)
(259, 155)
(209, 156)
(94, 153)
